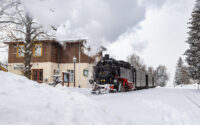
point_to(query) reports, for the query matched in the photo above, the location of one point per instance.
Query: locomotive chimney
(106, 57)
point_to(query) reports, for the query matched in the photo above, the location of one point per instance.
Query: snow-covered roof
(65, 41)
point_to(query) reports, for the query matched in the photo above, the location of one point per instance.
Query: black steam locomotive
(110, 75)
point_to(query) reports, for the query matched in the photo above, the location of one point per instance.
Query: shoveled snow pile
(24, 102)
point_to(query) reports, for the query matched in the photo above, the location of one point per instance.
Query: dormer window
(37, 50)
(20, 50)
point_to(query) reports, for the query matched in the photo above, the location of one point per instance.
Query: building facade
(49, 57)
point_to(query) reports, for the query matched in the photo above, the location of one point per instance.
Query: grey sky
(99, 20)
(164, 31)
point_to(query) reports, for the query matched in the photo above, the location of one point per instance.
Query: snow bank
(190, 86)
(24, 102)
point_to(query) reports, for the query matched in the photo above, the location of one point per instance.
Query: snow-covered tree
(179, 72)
(136, 61)
(193, 53)
(151, 70)
(5, 7)
(161, 76)
(20, 26)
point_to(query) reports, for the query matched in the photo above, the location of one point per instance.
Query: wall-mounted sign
(18, 67)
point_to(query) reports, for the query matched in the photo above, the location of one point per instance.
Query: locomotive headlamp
(103, 80)
(115, 80)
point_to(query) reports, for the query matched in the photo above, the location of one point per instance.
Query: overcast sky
(160, 37)
(153, 29)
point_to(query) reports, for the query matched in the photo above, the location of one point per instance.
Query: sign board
(18, 67)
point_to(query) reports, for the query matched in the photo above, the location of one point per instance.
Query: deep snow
(157, 106)
(24, 102)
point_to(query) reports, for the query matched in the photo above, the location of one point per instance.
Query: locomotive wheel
(121, 87)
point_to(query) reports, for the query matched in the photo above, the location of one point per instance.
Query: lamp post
(74, 61)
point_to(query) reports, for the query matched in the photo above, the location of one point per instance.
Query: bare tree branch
(10, 21)
(20, 15)
(36, 35)
(17, 30)
(4, 46)
(21, 27)
(8, 6)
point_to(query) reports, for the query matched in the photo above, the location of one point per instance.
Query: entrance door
(65, 78)
(37, 75)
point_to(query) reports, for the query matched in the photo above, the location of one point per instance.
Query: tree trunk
(28, 45)
(27, 65)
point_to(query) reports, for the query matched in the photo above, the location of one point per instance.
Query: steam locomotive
(110, 75)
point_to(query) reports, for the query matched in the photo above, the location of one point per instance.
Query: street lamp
(74, 61)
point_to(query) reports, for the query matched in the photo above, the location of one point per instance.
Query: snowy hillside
(24, 102)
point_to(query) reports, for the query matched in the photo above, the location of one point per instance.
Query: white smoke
(98, 20)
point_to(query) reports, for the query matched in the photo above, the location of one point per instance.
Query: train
(110, 75)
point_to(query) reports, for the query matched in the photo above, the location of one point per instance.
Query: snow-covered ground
(23, 102)
(157, 106)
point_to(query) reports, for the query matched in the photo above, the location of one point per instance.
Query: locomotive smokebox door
(91, 81)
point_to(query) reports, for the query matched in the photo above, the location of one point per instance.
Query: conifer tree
(179, 72)
(193, 53)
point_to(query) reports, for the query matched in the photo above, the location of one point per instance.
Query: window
(71, 75)
(65, 77)
(20, 50)
(37, 50)
(85, 72)
(37, 75)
